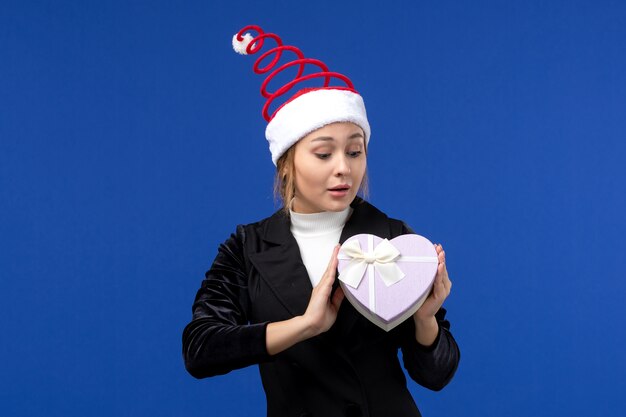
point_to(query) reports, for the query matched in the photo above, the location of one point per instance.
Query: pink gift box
(387, 294)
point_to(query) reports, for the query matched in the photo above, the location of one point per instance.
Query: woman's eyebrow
(330, 138)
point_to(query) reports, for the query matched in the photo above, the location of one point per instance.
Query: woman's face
(329, 165)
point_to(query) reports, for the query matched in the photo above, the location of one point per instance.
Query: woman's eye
(352, 154)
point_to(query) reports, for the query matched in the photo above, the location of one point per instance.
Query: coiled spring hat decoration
(309, 108)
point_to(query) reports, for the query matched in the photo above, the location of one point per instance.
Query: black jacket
(258, 277)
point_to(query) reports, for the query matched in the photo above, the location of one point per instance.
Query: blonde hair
(285, 179)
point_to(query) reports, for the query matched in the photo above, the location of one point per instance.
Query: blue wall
(131, 145)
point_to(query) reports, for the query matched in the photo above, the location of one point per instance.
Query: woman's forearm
(282, 335)
(426, 330)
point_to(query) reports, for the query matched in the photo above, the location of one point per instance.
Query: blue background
(131, 145)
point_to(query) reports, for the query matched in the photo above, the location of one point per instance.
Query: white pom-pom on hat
(240, 47)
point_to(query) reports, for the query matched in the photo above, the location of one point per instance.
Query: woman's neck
(318, 223)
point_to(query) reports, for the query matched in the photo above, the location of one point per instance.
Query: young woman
(271, 297)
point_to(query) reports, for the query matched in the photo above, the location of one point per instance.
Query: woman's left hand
(441, 289)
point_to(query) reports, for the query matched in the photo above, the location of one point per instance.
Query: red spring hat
(309, 108)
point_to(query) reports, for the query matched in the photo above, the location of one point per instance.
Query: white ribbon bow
(382, 260)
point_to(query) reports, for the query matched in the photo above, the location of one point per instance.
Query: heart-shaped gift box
(387, 280)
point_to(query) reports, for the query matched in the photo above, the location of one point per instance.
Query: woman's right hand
(319, 316)
(322, 310)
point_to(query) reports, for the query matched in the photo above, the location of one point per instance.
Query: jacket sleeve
(434, 366)
(219, 338)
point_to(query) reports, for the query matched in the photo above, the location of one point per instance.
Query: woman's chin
(338, 205)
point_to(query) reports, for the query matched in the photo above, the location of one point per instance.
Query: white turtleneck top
(317, 234)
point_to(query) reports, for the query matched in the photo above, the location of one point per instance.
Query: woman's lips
(342, 192)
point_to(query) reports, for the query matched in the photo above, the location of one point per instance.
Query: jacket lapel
(281, 266)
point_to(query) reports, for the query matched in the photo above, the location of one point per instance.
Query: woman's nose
(343, 165)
